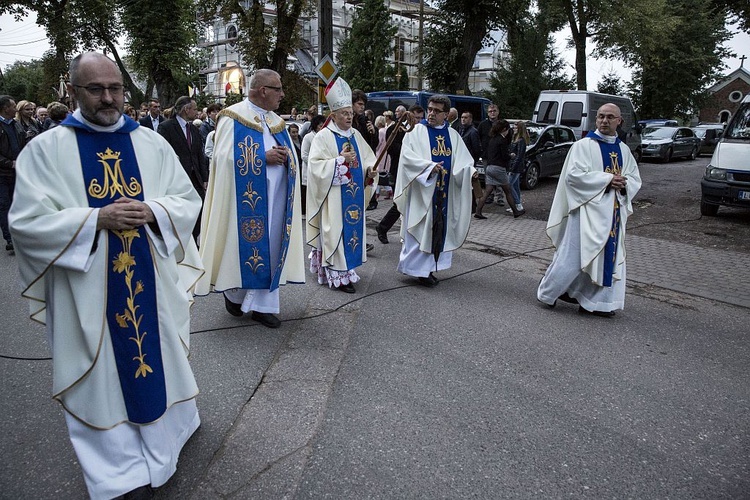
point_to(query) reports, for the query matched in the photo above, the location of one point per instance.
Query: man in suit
(154, 118)
(186, 141)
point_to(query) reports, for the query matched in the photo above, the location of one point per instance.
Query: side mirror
(549, 144)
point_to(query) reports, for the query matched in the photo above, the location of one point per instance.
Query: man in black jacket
(12, 140)
(154, 118)
(186, 141)
(470, 135)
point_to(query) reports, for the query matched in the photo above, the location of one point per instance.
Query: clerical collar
(346, 133)
(258, 110)
(98, 128)
(427, 124)
(609, 139)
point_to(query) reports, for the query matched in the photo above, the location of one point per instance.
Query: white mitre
(338, 94)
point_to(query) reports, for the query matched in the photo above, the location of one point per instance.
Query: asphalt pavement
(468, 390)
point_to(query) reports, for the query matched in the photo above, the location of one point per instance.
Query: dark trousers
(390, 218)
(7, 185)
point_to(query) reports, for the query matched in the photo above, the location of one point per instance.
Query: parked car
(726, 181)
(665, 143)
(546, 152)
(658, 122)
(709, 136)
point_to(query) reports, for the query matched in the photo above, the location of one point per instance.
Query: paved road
(471, 389)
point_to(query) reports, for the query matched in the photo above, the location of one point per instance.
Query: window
(564, 135)
(547, 112)
(232, 35)
(572, 113)
(735, 96)
(548, 136)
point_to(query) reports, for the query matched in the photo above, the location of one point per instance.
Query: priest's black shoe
(232, 308)
(266, 319)
(348, 288)
(144, 492)
(601, 314)
(382, 234)
(567, 298)
(372, 206)
(429, 282)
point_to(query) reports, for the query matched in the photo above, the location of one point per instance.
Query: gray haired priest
(251, 231)
(340, 180)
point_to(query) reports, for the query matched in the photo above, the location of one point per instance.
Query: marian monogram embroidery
(249, 157)
(441, 150)
(614, 164)
(114, 180)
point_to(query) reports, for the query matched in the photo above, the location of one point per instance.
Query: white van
(727, 177)
(577, 110)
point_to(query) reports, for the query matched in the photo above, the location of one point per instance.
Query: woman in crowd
(131, 112)
(25, 117)
(517, 163)
(498, 161)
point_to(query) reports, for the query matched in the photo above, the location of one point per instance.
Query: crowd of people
(114, 221)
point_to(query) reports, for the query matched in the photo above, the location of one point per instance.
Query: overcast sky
(26, 41)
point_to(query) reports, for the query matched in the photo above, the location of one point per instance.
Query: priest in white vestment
(588, 218)
(434, 163)
(251, 229)
(340, 181)
(102, 221)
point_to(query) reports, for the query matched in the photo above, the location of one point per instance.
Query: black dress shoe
(601, 314)
(518, 213)
(266, 319)
(479, 216)
(567, 298)
(382, 234)
(427, 282)
(433, 278)
(348, 288)
(372, 206)
(144, 492)
(232, 308)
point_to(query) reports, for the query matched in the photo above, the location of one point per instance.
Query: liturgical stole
(611, 160)
(352, 205)
(440, 149)
(251, 195)
(110, 172)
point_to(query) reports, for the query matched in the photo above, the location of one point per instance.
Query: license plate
(480, 170)
(743, 195)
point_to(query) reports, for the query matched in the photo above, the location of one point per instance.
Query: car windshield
(739, 127)
(534, 133)
(700, 132)
(658, 132)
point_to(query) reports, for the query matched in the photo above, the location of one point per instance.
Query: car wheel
(668, 156)
(638, 155)
(694, 154)
(709, 209)
(531, 177)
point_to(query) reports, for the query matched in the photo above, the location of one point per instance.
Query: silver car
(665, 143)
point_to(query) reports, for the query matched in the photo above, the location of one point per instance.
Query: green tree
(672, 81)
(364, 52)
(160, 38)
(24, 80)
(611, 83)
(530, 64)
(454, 35)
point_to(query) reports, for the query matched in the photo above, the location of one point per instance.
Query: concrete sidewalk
(680, 267)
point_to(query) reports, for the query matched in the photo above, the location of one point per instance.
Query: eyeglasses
(277, 89)
(345, 114)
(608, 117)
(435, 110)
(97, 90)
